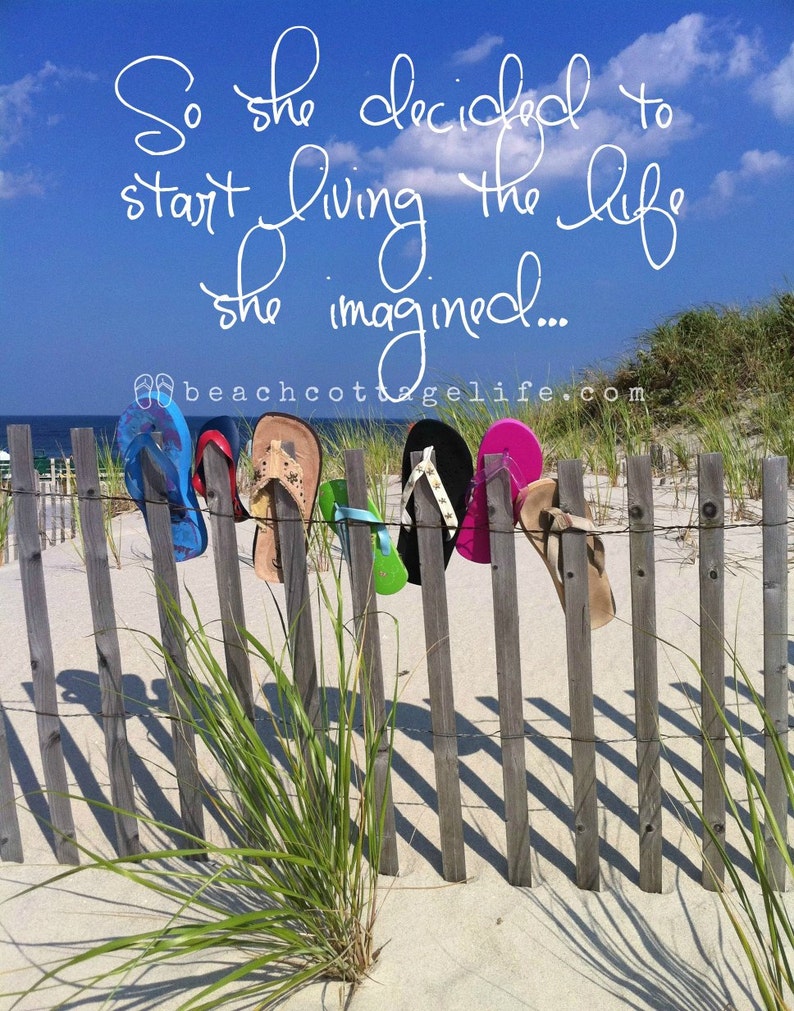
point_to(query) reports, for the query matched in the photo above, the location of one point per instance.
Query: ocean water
(50, 433)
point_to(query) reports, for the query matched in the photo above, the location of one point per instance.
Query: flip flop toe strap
(204, 440)
(342, 516)
(558, 522)
(277, 465)
(427, 467)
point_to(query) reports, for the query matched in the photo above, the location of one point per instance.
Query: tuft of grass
(383, 449)
(292, 893)
(766, 936)
(728, 356)
(725, 434)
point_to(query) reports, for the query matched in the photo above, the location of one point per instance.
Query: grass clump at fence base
(766, 935)
(291, 897)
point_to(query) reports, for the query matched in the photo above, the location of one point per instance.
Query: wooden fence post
(53, 501)
(8, 504)
(227, 575)
(368, 632)
(292, 541)
(106, 638)
(711, 506)
(775, 578)
(508, 670)
(430, 532)
(10, 838)
(173, 641)
(41, 513)
(646, 681)
(580, 679)
(42, 664)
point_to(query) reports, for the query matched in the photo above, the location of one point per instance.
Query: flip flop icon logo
(145, 385)
(165, 387)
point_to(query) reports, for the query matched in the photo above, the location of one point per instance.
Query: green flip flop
(390, 573)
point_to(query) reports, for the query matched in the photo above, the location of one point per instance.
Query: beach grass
(766, 936)
(290, 895)
(710, 379)
(382, 453)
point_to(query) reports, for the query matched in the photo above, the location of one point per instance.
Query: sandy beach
(478, 944)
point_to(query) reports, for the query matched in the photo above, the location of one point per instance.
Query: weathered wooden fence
(711, 524)
(55, 493)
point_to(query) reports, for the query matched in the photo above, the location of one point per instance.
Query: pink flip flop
(521, 454)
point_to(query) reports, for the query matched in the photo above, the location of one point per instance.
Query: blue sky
(389, 218)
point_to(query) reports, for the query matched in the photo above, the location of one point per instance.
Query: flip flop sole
(455, 470)
(135, 432)
(308, 454)
(390, 573)
(519, 446)
(532, 503)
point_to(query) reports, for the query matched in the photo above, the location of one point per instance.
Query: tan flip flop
(543, 522)
(298, 472)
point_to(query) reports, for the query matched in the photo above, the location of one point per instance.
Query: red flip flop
(223, 433)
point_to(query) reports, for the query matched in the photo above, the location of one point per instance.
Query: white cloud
(18, 113)
(733, 185)
(776, 89)
(670, 63)
(662, 59)
(14, 185)
(480, 51)
(342, 152)
(671, 59)
(744, 56)
(763, 163)
(16, 105)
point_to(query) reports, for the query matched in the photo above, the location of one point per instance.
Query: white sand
(482, 944)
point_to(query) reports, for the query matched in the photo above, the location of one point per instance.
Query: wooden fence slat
(10, 837)
(646, 680)
(508, 671)
(53, 524)
(41, 516)
(227, 575)
(580, 679)
(292, 543)
(5, 491)
(430, 533)
(775, 600)
(42, 664)
(711, 513)
(365, 612)
(106, 637)
(61, 513)
(173, 641)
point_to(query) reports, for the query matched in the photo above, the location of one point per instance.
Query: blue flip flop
(135, 433)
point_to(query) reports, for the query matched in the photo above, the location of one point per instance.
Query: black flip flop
(453, 469)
